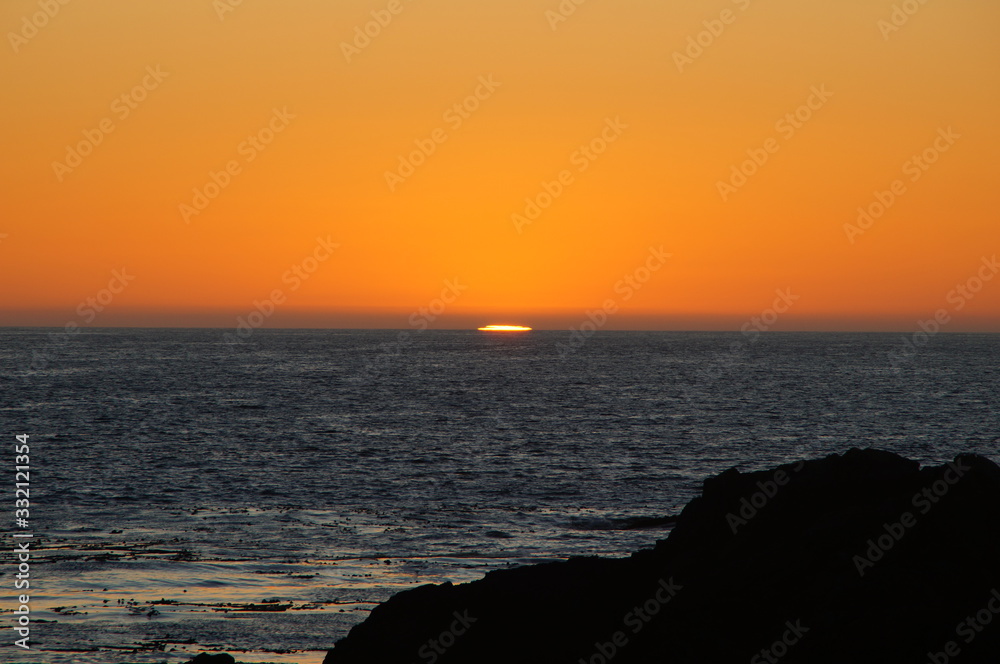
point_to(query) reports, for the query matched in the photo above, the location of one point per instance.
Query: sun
(504, 328)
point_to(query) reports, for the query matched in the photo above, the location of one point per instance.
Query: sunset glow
(531, 154)
(505, 328)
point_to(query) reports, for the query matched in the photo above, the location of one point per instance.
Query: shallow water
(261, 499)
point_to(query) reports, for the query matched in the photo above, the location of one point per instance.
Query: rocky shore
(860, 557)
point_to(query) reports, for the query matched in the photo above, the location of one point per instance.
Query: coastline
(861, 557)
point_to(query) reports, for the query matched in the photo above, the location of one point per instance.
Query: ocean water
(193, 494)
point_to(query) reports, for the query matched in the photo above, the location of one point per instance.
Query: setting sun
(504, 328)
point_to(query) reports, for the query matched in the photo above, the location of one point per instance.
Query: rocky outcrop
(861, 557)
(208, 658)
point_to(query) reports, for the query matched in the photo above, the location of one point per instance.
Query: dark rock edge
(791, 584)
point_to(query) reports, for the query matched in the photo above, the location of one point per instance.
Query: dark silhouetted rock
(861, 557)
(205, 658)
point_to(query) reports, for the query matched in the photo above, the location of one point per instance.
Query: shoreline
(788, 577)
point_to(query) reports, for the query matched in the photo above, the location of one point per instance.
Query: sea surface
(191, 493)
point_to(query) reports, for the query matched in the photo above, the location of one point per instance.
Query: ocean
(190, 492)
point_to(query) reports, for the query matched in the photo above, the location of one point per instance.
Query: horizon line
(84, 329)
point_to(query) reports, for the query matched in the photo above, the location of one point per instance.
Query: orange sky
(201, 78)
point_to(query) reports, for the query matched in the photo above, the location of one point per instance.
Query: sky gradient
(676, 165)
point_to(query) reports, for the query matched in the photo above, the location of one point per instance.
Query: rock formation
(861, 557)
